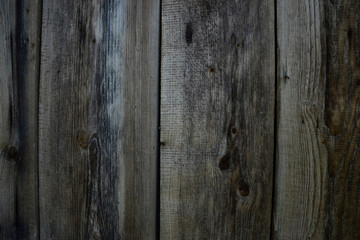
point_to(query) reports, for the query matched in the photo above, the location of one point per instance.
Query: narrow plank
(19, 64)
(7, 137)
(317, 169)
(98, 119)
(217, 119)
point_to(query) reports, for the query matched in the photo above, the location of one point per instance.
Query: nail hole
(13, 153)
(234, 130)
(224, 162)
(244, 190)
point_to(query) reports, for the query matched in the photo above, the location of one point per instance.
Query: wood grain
(317, 168)
(19, 68)
(217, 119)
(98, 119)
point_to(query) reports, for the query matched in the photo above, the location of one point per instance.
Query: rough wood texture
(19, 64)
(98, 119)
(317, 169)
(217, 119)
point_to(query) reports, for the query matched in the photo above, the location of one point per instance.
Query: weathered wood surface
(19, 64)
(95, 167)
(317, 178)
(217, 119)
(98, 119)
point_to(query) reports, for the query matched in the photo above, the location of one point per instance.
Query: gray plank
(217, 119)
(317, 169)
(19, 64)
(7, 167)
(98, 119)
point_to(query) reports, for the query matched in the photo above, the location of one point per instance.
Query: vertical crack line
(38, 63)
(275, 119)
(158, 160)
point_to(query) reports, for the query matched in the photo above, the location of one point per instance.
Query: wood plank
(19, 65)
(7, 167)
(98, 119)
(217, 119)
(317, 169)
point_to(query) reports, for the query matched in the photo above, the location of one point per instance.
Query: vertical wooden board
(28, 28)
(98, 119)
(19, 64)
(317, 168)
(7, 167)
(217, 119)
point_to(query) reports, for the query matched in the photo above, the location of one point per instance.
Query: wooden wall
(169, 119)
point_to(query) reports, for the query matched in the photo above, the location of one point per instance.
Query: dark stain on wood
(82, 25)
(189, 33)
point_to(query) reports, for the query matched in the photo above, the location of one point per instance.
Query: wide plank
(217, 119)
(98, 119)
(318, 160)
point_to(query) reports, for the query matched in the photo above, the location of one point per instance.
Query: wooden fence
(180, 119)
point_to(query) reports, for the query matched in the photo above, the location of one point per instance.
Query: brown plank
(19, 64)
(217, 119)
(98, 119)
(317, 169)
